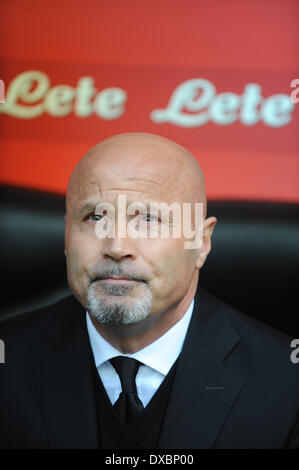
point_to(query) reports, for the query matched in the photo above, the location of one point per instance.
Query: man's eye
(93, 217)
(150, 218)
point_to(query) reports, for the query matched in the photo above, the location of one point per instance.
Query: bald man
(141, 357)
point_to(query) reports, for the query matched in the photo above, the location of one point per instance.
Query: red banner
(217, 78)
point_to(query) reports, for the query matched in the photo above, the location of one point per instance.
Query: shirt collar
(159, 355)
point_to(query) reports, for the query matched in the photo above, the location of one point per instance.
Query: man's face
(158, 271)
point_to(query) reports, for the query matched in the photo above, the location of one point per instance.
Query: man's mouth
(118, 280)
(121, 279)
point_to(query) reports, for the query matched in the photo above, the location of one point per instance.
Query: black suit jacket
(235, 385)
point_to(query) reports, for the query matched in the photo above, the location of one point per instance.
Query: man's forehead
(89, 197)
(99, 183)
(157, 168)
(120, 202)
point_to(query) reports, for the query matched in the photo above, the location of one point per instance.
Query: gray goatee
(113, 305)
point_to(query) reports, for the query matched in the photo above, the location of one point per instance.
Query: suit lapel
(204, 389)
(203, 392)
(64, 381)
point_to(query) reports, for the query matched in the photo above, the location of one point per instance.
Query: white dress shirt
(157, 359)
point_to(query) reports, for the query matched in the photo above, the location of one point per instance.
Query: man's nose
(118, 248)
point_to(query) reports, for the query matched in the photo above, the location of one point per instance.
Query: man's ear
(208, 227)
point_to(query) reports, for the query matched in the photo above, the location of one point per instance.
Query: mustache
(117, 271)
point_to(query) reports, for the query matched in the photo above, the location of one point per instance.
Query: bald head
(142, 161)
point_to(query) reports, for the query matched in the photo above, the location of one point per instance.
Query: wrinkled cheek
(163, 281)
(177, 274)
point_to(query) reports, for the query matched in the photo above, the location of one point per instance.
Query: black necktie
(128, 404)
